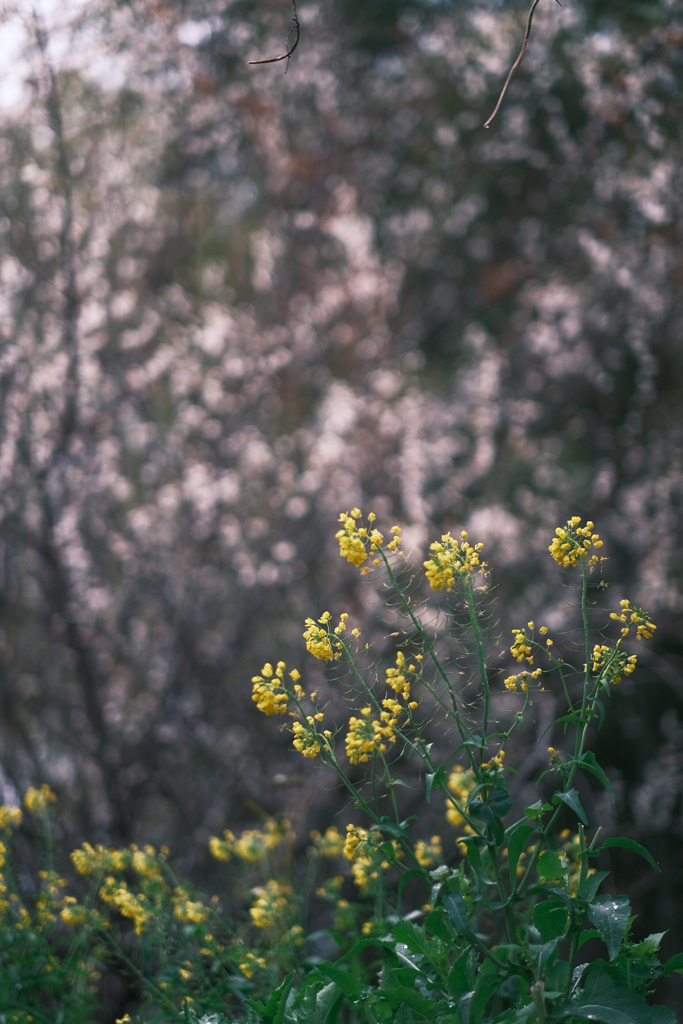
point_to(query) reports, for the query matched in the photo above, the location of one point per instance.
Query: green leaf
(517, 841)
(435, 780)
(537, 810)
(673, 965)
(407, 877)
(436, 923)
(349, 985)
(550, 867)
(610, 915)
(411, 935)
(550, 917)
(327, 1000)
(606, 1001)
(629, 844)
(572, 800)
(589, 764)
(274, 1010)
(462, 973)
(455, 908)
(590, 885)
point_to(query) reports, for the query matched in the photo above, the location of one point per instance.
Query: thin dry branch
(518, 62)
(290, 49)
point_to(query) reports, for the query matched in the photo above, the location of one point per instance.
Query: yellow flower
(188, 911)
(366, 735)
(428, 853)
(322, 642)
(273, 905)
(635, 617)
(520, 648)
(356, 543)
(460, 784)
(328, 844)
(36, 800)
(573, 542)
(305, 739)
(450, 560)
(253, 845)
(268, 690)
(9, 816)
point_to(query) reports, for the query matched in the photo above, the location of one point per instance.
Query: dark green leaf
(589, 764)
(610, 915)
(629, 844)
(590, 885)
(606, 1001)
(435, 780)
(455, 908)
(572, 800)
(349, 985)
(550, 917)
(517, 840)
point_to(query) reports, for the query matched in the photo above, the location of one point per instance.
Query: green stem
(426, 640)
(474, 622)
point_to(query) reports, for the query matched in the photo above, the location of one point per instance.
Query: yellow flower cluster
(365, 849)
(635, 617)
(273, 906)
(367, 735)
(322, 642)
(612, 662)
(450, 560)
(328, 844)
(306, 739)
(135, 906)
(521, 679)
(460, 784)
(573, 542)
(186, 910)
(397, 675)
(10, 817)
(520, 649)
(98, 860)
(36, 800)
(253, 845)
(268, 690)
(427, 854)
(358, 543)
(251, 964)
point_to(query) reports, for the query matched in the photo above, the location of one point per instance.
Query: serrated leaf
(606, 1001)
(274, 1010)
(411, 935)
(454, 905)
(572, 800)
(610, 915)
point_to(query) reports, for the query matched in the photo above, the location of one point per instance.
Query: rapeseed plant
(481, 923)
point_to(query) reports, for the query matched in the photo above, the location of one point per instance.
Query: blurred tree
(237, 301)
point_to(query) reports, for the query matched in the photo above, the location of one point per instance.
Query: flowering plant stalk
(505, 917)
(502, 911)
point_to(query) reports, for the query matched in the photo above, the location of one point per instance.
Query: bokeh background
(237, 300)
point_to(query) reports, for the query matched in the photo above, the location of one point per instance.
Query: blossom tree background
(238, 300)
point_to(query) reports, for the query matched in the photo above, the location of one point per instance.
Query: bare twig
(519, 60)
(290, 49)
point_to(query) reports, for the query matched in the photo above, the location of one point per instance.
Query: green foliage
(485, 927)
